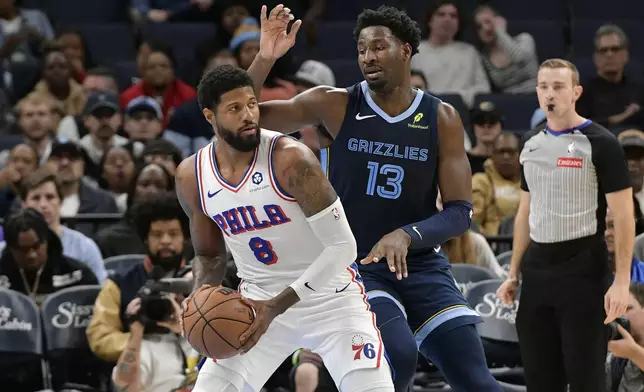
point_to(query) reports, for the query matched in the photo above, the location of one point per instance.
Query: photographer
(625, 365)
(125, 308)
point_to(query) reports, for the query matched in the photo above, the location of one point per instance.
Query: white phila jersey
(264, 227)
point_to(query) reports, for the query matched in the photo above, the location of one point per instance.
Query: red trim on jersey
(222, 181)
(373, 316)
(200, 187)
(274, 184)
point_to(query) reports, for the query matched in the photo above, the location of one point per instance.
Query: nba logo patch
(336, 213)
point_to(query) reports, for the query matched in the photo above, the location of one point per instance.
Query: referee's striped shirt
(568, 174)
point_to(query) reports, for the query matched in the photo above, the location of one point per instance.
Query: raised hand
(275, 41)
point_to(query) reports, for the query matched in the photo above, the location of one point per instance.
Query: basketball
(213, 320)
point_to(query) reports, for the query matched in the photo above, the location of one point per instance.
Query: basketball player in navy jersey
(392, 147)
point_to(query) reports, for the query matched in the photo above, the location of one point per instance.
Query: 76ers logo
(359, 347)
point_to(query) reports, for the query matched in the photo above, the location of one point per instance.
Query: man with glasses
(612, 98)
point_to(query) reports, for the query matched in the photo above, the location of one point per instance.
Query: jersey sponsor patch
(575, 163)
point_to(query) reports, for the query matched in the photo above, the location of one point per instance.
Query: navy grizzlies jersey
(385, 169)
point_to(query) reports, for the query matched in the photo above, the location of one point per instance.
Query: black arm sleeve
(610, 163)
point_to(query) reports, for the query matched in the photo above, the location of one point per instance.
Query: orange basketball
(214, 319)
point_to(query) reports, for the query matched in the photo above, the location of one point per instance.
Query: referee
(570, 170)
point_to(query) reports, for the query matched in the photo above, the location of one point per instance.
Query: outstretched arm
(209, 265)
(455, 182)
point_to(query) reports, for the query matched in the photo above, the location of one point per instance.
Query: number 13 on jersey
(395, 175)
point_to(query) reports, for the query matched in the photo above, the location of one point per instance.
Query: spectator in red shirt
(159, 82)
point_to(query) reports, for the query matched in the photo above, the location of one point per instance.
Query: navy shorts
(429, 296)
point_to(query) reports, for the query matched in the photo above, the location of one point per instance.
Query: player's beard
(238, 141)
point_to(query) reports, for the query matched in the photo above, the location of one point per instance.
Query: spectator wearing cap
(57, 82)
(164, 153)
(143, 119)
(611, 97)
(102, 119)
(487, 123)
(33, 263)
(632, 142)
(245, 45)
(496, 191)
(36, 125)
(311, 74)
(79, 196)
(159, 82)
(23, 160)
(41, 192)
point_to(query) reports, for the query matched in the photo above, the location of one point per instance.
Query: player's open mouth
(248, 130)
(372, 72)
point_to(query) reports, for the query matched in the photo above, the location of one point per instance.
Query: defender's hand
(274, 41)
(264, 315)
(394, 246)
(616, 301)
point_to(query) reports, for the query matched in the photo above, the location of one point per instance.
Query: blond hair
(35, 98)
(561, 63)
(460, 250)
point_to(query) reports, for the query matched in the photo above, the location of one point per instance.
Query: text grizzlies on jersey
(388, 149)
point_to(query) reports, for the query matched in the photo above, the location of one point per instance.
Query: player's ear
(406, 51)
(578, 90)
(209, 115)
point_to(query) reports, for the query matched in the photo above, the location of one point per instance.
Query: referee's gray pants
(561, 315)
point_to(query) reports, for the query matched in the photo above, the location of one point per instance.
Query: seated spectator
(472, 248)
(164, 153)
(33, 263)
(487, 123)
(173, 10)
(118, 173)
(632, 141)
(75, 47)
(24, 31)
(309, 373)
(450, 65)
(143, 119)
(102, 118)
(57, 82)
(159, 82)
(41, 192)
(637, 267)
(23, 160)
(496, 191)
(612, 98)
(245, 46)
(418, 80)
(79, 195)
(121, 237)
(162, 223)
(625, 364)
(36, 125)
(511, 62)
(188, 129)
(96, 80)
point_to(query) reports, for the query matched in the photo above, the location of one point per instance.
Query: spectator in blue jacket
(637, 268)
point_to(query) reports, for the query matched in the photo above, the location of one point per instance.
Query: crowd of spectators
(90, 140)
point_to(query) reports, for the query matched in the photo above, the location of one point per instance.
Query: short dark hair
(163, 48)
(401, 25)
(132, 189)
(36, 179)
(163, 206)
(101, 71)
(24, 220)
(162, 147)
(218, 81)
(420, 74)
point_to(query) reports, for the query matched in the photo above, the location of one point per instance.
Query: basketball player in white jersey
(266, 197)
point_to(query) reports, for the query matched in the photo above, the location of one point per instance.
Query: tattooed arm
(209, 265)
(299, 173)
(127, 373)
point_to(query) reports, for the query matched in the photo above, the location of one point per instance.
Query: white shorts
(334, 323)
